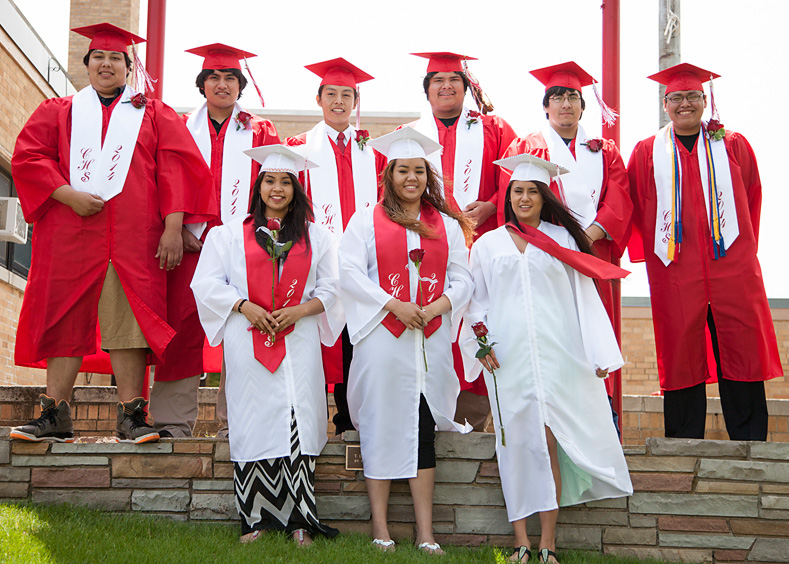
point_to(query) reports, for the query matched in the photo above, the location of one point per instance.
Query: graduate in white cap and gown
(345, 181)
(552, 343)
(267, 286)
(223, 130)
(405, 282)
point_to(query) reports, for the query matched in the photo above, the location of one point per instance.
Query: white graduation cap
(281, 158)
(405, 143)
(531, 168)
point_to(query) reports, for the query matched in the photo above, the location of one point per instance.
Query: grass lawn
(63, 534)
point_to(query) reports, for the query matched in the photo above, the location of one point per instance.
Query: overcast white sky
(739, 41)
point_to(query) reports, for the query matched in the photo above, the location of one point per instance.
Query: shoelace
(137, 418)
(46, 415)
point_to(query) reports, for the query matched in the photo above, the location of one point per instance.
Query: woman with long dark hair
(266, 286)
(404, 279)
(550, 336)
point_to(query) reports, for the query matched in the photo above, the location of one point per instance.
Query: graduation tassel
(141, 76)
(480, 98)
(255, 84)
(608, 113)
(358, 106)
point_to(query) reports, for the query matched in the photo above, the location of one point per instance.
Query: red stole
(289, 290)
(391, 250)
(588, 265)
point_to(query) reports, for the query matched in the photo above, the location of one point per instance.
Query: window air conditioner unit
(12, 223)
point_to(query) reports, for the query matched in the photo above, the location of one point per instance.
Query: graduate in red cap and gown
(697, 197)
(345, 181)
(108, 192)
(596, 189)
(471, 141)
(223, 130)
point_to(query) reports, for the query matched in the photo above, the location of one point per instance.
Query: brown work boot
(131, 426)
(54, 423)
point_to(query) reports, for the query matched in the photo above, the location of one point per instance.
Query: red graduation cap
(339, 72)
(108, 37)
(444, 61)
(567, 75)
(220, 56)
(683, 76)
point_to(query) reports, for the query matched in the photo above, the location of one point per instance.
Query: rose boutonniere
(715, 130)
(362, 137)
(276, 251)
(416, 256)
(472, 118)
(485, 348)
(138, 101)
(593, 145)
(243, 119)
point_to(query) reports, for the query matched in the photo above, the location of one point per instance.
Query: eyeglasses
(693, 97)
(572, 98)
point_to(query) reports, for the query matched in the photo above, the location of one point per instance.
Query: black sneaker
(54, 424)
(131, 426)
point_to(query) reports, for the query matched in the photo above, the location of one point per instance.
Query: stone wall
(694, 501)
(93, 410)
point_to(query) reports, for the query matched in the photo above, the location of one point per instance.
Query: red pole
(154, 58)
(611, 97)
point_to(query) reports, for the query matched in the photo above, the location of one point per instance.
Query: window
(14, 257)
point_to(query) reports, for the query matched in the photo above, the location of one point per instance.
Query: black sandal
(544, 554)
(521, 551)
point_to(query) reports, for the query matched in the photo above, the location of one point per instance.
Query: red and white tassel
(141, 76)
(255, 84)
(713, 108)
(608, 113)
(358, 107)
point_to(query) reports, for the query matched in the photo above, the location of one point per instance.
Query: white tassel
(255, 84)
(141, 76)
(608, 113)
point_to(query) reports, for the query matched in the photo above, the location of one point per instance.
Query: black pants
(342, 419)
(744, 405)
(426, 453)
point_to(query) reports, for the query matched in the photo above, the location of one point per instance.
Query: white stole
(324, 181)
(661, 160)
(236, 166)
(580, 188)
(95, 168)
(469, 149)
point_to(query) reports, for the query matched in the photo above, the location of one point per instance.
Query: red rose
(479, 329)
(244, 117)
(473, 114)
(714, 125)
(274, 224)
(138, 100)
(594, 145)
(416, 255)
(362, 134)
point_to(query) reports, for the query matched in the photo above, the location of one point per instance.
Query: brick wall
(639, 375)
(125, 14)
(694, 501)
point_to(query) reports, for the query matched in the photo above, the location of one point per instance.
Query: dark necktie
(341, 142)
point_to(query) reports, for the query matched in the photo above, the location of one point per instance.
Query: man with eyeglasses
(596, 189)
(471, 142)
(697, 197)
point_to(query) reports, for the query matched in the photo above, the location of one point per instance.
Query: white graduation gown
(387, 373)
(551, 332)
(259, 402)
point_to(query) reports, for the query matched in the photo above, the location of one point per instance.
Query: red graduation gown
(731, 286)
(332, 356)
(71, 253)
(186, 353)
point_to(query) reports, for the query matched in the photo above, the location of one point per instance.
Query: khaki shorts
(119, 328)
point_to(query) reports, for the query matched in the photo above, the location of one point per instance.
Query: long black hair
(553, 211)
(295, 224)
